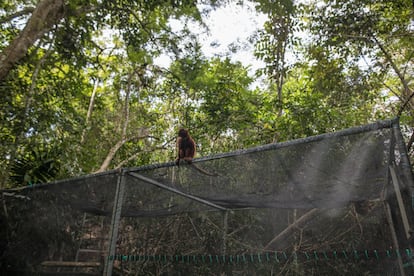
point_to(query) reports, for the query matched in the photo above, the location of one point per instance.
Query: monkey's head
(183, 133)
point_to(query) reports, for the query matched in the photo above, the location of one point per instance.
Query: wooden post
(394, 237)
(225, 230)
(400, 201)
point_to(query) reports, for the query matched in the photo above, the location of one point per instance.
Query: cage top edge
(382, 124)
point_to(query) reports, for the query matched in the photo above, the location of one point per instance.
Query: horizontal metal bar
(71, 264)
(168, 188)
(62, 181)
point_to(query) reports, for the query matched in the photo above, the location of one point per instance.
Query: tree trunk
(142, 132)
(90, 109)
(111, 154)
(46, 14)
(406, 91)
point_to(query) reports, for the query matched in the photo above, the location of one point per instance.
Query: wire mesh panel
(335, 203)
(313, 206)
(54, 223)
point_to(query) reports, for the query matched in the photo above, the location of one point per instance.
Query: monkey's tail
(191, 164)
(203, 170)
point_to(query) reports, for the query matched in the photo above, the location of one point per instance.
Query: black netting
(326, 173)
(51, 222)
(335, 203)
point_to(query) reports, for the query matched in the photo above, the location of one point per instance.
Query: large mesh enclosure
(334, 203)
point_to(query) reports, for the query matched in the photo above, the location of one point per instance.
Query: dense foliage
(82, 91)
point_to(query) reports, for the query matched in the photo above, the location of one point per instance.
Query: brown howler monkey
(186, 147)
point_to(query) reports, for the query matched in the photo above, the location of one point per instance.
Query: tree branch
(410, 142)
(303, 219)
(115, 149)
(407, 101)
(135, 155)
(407, 91)
(90, 109)
(46, 14)
(10, 17)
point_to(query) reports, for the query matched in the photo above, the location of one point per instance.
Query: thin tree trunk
(406, 89)
(111, 154)
(117, 146)
(46, 14)
(124, 139)
(90, 109)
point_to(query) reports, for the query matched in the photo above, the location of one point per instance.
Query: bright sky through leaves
(230, 28)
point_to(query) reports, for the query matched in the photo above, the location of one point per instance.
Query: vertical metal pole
(405, 161)
(116, 216)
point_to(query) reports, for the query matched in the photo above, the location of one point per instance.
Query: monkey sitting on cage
(186, 150)
(186, 147)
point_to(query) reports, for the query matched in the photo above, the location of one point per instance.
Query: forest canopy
(82, 91)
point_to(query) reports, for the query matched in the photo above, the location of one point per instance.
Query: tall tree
(275, 40)
(379, 32)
